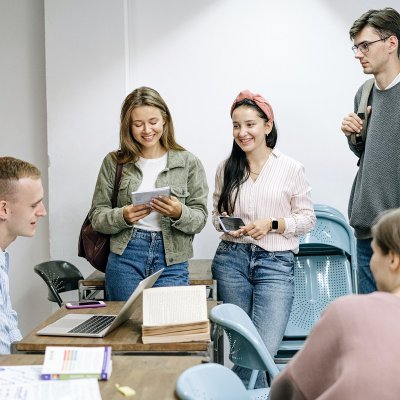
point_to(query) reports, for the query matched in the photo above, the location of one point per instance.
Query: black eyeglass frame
(364, 46)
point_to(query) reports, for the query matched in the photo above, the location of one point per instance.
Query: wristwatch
(274, 225)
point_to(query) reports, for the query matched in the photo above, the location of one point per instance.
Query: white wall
(198, 55)
(85, 75)
(23, 135)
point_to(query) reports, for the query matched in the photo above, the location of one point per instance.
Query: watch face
(274, 224)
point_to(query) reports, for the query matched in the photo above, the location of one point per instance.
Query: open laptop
(96, 325)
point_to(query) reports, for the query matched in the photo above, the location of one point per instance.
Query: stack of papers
(175, 314)
(23, 382)
(146, 197)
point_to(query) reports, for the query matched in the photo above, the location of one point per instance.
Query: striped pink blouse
(280, 191)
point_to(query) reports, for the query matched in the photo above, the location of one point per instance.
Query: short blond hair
(11, 170)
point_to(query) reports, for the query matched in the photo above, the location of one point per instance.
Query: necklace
(255, 173)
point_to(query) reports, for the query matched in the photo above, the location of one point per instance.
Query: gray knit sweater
(376, 186)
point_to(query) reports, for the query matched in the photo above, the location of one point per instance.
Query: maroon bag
(93, 245)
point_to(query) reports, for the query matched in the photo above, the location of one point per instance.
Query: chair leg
(253, 379)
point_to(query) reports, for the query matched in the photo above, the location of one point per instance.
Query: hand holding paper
(133, 213)
(168, 206)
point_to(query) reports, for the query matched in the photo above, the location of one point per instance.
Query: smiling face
(23, 209)
(377, 58)
(249, 129)
(147, 128)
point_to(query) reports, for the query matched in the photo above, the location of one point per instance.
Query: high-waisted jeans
(143, 256)
(262, 284)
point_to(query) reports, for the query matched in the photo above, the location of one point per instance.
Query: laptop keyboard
(94, 324)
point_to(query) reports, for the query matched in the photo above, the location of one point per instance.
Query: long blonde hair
(129, 148)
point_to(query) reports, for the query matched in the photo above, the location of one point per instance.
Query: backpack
(358, 139)
(93, 245)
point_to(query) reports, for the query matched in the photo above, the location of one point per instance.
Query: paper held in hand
(147, 196)
(77, 362)
(175, 314)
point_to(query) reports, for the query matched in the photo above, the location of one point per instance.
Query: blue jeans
(262, 284)
(366, 281)
(143, 256)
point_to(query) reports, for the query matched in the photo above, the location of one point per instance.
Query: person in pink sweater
(353, 351)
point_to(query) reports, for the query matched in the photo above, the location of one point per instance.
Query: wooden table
(199, 274)
(126, 338)
(151, 377)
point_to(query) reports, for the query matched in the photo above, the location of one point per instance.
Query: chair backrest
(210, 382)
(325, 268)
(329, 209)
(247, 349)
(331, 232)
(318, 281)
(60, 276)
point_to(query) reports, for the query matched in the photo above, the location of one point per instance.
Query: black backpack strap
(118, 174)
(358, 139)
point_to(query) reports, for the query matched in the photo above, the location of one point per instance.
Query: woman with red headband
(254, 264)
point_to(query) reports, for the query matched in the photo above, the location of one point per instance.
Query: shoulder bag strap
(359, 138)
(118, 173)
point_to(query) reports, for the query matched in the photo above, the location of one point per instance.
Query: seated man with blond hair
(21, 206)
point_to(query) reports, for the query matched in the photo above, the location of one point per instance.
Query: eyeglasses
(364, 46)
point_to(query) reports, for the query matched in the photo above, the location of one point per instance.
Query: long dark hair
(236, 168)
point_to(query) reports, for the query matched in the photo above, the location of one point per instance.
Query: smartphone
(85, 304)
(230, 223)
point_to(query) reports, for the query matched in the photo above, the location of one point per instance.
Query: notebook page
(174, 305)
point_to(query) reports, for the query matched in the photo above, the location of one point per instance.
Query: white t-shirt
(151, 167)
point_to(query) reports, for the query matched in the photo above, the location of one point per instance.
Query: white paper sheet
(23, 383)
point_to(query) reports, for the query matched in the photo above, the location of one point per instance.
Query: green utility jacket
(185, 175)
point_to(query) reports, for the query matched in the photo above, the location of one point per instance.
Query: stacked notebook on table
(77, 362)
(175, 314)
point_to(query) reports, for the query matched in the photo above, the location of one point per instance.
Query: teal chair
(325, 269)
(210, 382)
(247, 349)
(329, 209)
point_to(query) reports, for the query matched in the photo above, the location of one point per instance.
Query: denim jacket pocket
(180, 192)
(124, 192)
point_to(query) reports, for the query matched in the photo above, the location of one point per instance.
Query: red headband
(258, 99)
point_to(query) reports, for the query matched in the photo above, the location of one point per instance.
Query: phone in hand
(85, 304)
(230, 223)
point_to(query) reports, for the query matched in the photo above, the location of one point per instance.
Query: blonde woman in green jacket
(148, 237)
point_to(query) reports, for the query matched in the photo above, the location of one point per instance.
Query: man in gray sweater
(376, 187)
